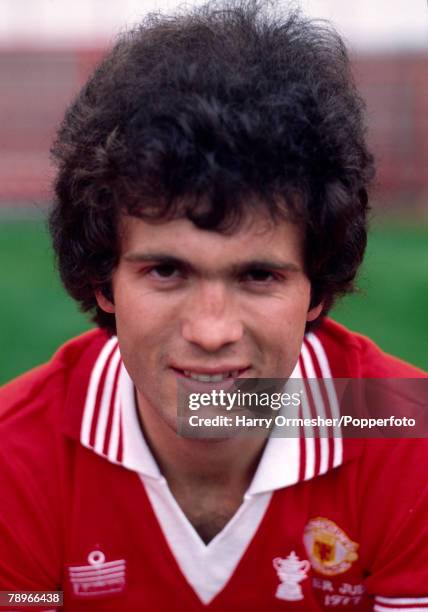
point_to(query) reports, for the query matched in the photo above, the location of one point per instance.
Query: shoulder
(352, 355)
(380, 387)
(38, 395)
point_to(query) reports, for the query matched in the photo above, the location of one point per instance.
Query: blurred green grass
(36, 316)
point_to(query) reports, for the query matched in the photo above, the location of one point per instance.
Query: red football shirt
(327, 523)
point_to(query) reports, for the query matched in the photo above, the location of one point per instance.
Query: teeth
(213, 378)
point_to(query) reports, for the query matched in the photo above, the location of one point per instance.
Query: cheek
(141, 310)
(285, 313)
(145, 327)
(279, 326)
(284, 330)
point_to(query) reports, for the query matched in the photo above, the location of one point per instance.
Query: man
(211, 204)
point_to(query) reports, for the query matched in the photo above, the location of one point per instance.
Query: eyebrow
(234, 269)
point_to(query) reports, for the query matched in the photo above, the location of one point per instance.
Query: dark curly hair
(204, 115)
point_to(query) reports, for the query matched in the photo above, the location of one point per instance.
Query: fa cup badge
(290, 571)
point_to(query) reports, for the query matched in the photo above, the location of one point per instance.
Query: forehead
(257, 236)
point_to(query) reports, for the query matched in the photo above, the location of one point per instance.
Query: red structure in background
(395, 88)
(37, 85)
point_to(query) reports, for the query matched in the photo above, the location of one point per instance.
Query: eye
(259, 275)
(164, 272)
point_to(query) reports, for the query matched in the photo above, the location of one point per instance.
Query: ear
(104, 303)
(314, 312)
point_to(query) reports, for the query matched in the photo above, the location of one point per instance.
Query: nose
(212, 319)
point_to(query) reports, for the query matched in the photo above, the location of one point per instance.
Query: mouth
(214, 375)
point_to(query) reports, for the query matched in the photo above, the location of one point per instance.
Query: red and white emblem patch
(99, 577)
(330, 550)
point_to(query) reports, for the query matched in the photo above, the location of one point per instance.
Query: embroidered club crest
(330, 550)
(99, 577)
(290, 571)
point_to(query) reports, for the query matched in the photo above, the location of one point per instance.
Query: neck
(226, 462)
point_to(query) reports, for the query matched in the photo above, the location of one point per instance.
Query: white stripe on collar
(324, 367)
(95, 383)
(111, 428)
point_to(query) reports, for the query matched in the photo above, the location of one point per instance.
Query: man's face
(197, 303)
